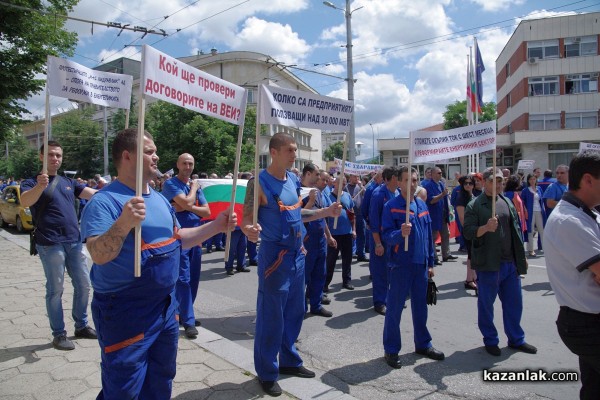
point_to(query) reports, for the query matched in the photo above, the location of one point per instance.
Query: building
(547, 90)
(243, 68)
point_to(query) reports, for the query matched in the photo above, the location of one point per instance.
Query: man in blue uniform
(554, 192)
(408, 270)
(437, 202)
(377, 264)
(51, 198)
(136, 317)
(190, 205)
(281, 300)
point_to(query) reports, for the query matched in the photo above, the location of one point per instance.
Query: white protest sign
(588, 147)
(74, 81)
(173, 81)
(304, 110)
(526, 165)
(358, 169)
(428, 146)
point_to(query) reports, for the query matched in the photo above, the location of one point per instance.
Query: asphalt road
(346, 350)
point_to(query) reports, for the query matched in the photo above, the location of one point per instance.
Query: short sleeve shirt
(174, 187)
(571, 244)
(57, 222)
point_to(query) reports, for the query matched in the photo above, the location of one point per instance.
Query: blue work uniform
(190, 263)
(315, 244)
(135, 318)
(280, 303)
(237, 250)
(408, 271)
(377, 264)
(343, 237)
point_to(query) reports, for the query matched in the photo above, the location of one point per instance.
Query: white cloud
(497, 5)
(106, 55)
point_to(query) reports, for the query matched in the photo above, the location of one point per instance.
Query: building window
(581, 83)
(507, 69)
(251, 96)
(581, 46)
(263, 161)
(581, 120)
(544, 122)
(561, 153)
(508, 101)
(542, 49)
(544, 86)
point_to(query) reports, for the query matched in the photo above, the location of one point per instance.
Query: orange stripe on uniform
(400, 211)
(276, 264)
(146, 246)
(424, 213)
(289, 208)
(123, 344)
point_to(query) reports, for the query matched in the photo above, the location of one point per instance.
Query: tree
(22, 162)
(336, 150)
(82, 142)
(456, 114)
(30, 30)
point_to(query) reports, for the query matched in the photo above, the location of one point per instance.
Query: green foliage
(212, 142)
(456, 114)
(23, 161)
(118, 119)
(336, 150)
(27, 38)
(82, 142)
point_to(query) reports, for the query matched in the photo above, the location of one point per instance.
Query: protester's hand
(252, 232)
(331, 242)
(134, 212)
(196, 183)
(312, 195)
(334, 210)
(379, 250)
(43, 180)
(354, 235)
(492, 224)
(177, 207)
(225, 222)
(445, 192)
(431, 272)
(406, 228)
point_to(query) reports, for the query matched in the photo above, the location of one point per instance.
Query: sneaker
(86, 332)
(271, 388)
(61, 342)
(191, 332)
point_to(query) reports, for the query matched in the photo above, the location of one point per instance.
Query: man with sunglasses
(498, 256)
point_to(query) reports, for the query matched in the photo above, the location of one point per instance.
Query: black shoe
(322, 312)
(300, 372)
(462, 250)
(191, 332)
(230, 272)
(61, 342)
(208, 251)
(219, 249)
(86, 332)
(348, 286)
(253, 263)
(326, 289)
(449, 258)
(438, 262)
(381, 309)
(392, 360)
(431, 352)
(243, 269)
(362, 259)
(197, 322)
(493, 350)
(325, 300)
(525, 348)
(271, 388)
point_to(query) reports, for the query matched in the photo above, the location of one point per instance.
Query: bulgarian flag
(218, 195)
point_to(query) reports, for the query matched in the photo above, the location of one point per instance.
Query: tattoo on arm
(249, 203)
(107, 246)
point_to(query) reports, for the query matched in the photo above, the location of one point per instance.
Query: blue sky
(409, 55)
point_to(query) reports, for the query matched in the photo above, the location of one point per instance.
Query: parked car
(11, 210)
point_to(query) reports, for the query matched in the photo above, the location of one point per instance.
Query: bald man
(190, 206)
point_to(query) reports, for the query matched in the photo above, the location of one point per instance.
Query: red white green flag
(218, 195)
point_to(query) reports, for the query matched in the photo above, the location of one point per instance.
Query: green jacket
(485, 250)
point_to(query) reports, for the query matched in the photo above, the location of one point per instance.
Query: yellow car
(11, 210)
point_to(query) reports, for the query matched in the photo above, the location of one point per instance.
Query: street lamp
(350, 78)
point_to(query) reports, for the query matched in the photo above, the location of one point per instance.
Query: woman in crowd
(512, 190)
(536, 212)
(465, 195)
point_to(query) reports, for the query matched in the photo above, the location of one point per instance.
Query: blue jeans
(55, 259)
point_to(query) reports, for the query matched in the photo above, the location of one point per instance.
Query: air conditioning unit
(532, 60)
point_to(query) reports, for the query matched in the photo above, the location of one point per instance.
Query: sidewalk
(30, 368)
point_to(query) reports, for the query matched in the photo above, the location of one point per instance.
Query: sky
(409, 56)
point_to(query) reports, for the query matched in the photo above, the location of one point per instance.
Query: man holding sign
(136, 317)
(281, 300)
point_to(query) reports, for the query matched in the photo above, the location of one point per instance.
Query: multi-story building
(547, 89)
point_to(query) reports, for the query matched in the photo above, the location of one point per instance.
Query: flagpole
(408, 199)
(256, 157)
(339, 192)
(236, 171)
(494, 185)
(127, 118)
(137, 263)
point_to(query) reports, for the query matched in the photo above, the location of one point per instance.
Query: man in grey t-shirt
(572, 246)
